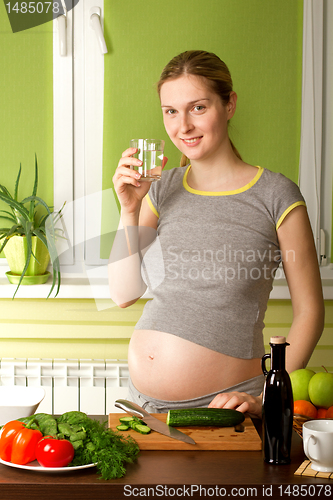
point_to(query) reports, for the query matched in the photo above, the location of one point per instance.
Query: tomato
(52, 452)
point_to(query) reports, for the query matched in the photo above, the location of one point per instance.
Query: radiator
(91, 386)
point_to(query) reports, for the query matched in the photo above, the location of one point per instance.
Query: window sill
(83, 287)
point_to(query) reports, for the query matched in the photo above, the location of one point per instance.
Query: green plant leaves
(24, 222)
(17, 183)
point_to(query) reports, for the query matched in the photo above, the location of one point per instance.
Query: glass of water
(150, 152)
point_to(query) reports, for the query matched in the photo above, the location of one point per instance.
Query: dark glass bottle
(277, 405)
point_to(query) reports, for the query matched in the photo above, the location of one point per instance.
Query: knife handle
(131, 408)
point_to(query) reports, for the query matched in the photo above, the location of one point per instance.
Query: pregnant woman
(221, 227)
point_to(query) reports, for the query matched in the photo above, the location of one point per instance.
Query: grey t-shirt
(215, 258)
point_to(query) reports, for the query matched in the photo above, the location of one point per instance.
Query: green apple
(300, 383)
(321, 389)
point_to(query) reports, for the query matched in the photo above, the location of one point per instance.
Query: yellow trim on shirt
(287, 211)
(153, 209)
(222, 193)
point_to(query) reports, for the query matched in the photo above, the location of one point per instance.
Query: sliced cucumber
(123, 427)
(133, 423)
(143, 429)
(126, 420)
(219, 417)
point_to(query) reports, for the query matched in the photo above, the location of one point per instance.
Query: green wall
(26, 107)
(260, 41)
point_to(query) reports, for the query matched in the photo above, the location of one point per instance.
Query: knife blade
(152, 422)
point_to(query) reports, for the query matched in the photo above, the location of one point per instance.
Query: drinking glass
(150, 152)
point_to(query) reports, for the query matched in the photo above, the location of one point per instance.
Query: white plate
(38, 468)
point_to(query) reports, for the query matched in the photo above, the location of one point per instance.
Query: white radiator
(91, 386)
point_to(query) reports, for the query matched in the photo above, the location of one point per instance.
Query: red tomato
(54, 452)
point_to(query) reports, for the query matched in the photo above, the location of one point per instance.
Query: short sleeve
(159, 190)
(287, 196)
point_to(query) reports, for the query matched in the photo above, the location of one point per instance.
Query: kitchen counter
(165, 474)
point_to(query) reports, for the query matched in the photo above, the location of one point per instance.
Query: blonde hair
(206, 65)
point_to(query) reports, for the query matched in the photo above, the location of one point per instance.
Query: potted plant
(29, 241)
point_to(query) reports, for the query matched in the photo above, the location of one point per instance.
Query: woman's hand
(126, 180)
(240, 401)
(129, 188)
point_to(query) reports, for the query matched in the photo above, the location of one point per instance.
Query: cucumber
(219, 417)
(143, 429)
(136, 421)
(123, 427)
(133, 423)
(126, 420)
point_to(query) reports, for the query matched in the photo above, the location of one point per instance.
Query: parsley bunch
(109, 450)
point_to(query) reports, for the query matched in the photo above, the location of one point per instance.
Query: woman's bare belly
(167, 367)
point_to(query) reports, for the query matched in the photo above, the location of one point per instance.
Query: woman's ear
(231, 106)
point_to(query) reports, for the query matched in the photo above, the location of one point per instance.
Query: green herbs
(109, 450)
(93, 441)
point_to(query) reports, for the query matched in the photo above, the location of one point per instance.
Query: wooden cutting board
(206, 438)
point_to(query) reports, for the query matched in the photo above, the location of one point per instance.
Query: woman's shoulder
(278, 185)
(280, 194)
(277, 179)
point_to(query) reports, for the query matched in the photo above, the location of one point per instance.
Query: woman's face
(195, 118)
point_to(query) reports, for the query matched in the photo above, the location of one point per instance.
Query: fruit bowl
(19, 401)
(299, 420)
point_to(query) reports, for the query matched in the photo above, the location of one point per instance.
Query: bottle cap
(278, 340)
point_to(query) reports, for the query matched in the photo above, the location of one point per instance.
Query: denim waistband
(252, 386)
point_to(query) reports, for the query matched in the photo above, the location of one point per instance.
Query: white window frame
(327, 146)
(78, 134)
(316, 155)
(78, 146)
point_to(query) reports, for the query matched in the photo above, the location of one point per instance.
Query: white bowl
(19, 401)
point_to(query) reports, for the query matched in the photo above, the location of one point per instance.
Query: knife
(152, 422)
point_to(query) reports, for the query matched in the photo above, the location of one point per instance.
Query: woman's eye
(199, 107)
(170, 111)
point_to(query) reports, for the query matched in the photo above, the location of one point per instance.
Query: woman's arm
(136, 231)
(301, 268)
(133, 238)
(302, 273)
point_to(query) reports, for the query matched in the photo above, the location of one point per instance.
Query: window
(315, 173)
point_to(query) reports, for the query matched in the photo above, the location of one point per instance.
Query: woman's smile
(192, 142)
